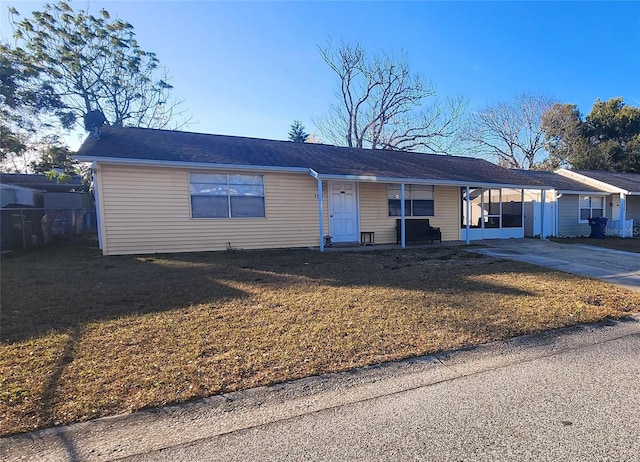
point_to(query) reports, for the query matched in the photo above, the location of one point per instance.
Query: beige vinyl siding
(374, 212)
(447, 213)
(148, 210)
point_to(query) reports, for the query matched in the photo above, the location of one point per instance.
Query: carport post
(542, 201)
(468, 205)
(403, 242)
(320, 215)
(623, 214)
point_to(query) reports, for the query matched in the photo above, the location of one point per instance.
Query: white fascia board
(394, 180)
(590, 181)
(177, 164)
(583, 193)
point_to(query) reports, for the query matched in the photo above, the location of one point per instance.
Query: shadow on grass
(63, 288)
(60, 289)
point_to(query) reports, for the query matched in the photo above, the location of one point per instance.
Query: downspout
(96, 194)
(320, 209)
(403, 242)
(468, 206)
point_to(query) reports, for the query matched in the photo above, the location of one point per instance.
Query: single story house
(36, 208)
(170, 191)
(622, 202)
(567, 206)
(578, 195)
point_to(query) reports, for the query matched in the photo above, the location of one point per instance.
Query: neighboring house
(622, 203)
(40, 182)
(169, 191)
(578, 195)
(11, 194)
(568, 206)
(36, 208)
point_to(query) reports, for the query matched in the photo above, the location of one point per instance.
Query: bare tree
(510, 133)
(382, 105)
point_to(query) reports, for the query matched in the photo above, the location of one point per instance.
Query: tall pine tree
(297, 132)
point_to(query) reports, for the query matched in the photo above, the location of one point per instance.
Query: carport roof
(628, 181)
(186, 149)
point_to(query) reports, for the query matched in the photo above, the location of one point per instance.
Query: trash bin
(598, 226)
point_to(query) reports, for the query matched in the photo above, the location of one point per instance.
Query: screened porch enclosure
(491, 213)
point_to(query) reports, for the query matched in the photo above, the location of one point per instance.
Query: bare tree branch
(381, 105)
(509, 133)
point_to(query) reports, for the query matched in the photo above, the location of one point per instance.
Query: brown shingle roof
(41, 182)
(173, 146)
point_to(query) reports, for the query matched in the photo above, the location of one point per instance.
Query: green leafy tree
(95, 63)
(56, 157)
(28, 108)
(297, 132)
(565, 135)
(607, 139)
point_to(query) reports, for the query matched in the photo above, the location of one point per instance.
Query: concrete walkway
(614, 266)
(571, 394)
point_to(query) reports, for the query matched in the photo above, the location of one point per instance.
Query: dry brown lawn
(84, 336)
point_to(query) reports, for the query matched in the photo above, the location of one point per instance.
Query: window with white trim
(418, 200)
(591, 207)
(220, 195)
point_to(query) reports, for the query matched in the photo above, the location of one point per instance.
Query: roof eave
(306, 170)
(183, 164)
(441, 182)
(592, 181)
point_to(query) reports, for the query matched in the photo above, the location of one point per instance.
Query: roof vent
(93, 120)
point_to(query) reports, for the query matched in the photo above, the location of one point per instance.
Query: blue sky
(251, 68)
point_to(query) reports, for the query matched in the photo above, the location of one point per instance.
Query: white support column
(468, 205)
(543, 194)
(623, 214)
(320, 215)
(403, 241)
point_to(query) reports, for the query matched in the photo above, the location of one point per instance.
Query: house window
(418, 200)
(591, 207)
(216, 195)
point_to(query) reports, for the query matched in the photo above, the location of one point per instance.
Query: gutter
(427, 181)
(182, 164)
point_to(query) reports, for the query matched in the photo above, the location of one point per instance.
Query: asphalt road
(567, 395)
(579, 404)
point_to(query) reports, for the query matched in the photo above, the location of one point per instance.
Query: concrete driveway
(614, 266)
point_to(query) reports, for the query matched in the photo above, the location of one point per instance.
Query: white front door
(343, 212)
